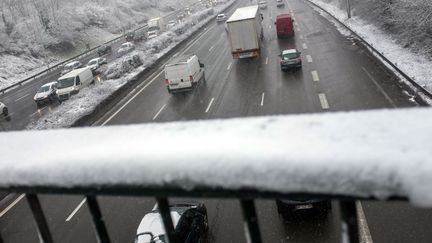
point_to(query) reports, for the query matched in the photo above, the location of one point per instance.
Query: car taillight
(282, 62)
(190, 78)
(166, 81)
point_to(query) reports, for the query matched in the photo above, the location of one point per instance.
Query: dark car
(104, 49)
(292, 209)
(139, 35)
(189, 218)
(290, 59)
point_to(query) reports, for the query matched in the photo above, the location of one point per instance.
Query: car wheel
(38, 105)
(169, 90)
(5, 111)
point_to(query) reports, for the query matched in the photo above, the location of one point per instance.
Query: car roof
(71, 63)
(96, 59)
(180, 59)
(152, 222)
(73, 73)
(49, 84)
(289, 51)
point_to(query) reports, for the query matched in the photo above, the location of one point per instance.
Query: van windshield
(65, 83)
(44, 89)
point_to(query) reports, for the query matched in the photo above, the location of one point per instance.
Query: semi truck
(245, 32)
(156, 24)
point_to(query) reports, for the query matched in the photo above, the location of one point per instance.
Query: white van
(72, 82)
(183, 73)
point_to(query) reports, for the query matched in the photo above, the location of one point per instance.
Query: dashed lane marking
(379, 87)
(323, 101)
(309, 58)
(12, 205)
(266, 60)
(315, 76)
(298, 29)
(209, 105)
(158, 113)
(301, 36)
(262, 99)
(304, 45)
(22, 97)
(76, 209)
(229, 66)
(211, 48)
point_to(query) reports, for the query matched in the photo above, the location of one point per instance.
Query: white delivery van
(183, 73)
(72, 82)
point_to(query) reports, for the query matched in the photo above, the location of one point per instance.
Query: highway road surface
(337, 75)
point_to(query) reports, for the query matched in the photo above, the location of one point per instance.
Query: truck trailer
(245, 32)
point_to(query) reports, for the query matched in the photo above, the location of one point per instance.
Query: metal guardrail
(375, 51)
(87, 52)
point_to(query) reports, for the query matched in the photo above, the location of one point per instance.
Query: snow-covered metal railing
(418, 89)
(382, 155)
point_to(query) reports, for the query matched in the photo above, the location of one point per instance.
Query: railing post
(165, 212)
(98, 222)
(253, 233)
(41, 222)
(349, 221)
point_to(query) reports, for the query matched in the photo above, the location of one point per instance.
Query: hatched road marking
(323, 101)
(379, 87)
(209, 105)
(211, 48)
(158, 113)
(315, 76)
(11, 205)
(309, 58)
(76, 209)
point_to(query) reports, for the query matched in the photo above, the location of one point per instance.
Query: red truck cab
(284, 26)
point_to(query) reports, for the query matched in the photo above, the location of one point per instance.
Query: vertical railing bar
(41, 222)
(165, 212)
(349, 221)
(98, 222)
(251, 221)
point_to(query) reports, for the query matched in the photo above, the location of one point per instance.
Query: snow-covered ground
(123, 69)
(412, 60)
(352, 153)
(35, 34)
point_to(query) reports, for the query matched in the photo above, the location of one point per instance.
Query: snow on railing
(382, 155)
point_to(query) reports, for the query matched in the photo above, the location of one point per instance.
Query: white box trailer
(156, 24)
(245, 32)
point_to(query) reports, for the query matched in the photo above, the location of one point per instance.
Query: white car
(46, 93)
(70, 66)
(221, 17)
(280, 3)
(95, 63)
(171, 24)
(125, 48)
(262, 4)
(152, 34)
(3, 109)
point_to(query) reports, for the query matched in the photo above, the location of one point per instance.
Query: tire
(169, 90)
(38, 105)
(5, 111)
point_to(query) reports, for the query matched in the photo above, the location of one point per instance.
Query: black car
(290, 59)
(189, 218)
(293, 209)
(104, 49)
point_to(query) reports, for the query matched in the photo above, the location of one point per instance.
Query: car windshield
(43, 89)
(92, 62)
(65, 83)
(68, 67)
(291, 56)
(124, 46)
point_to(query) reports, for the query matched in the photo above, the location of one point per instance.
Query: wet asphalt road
(337, 75)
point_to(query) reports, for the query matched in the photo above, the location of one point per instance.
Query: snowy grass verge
(414, 65)
(362, 154)
(121, 72)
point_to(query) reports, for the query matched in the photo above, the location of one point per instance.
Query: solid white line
(262, 99)
(229, 66)
(266, 60)
(309, 58)
(304, 45)
(209, 105)
(157, 114)
(365, 235)
(379, 88)
(323, 101)
(12, 205)
(315, 76)
(76, 209)
(22, 97)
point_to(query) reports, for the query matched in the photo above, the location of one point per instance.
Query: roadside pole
(348, 7)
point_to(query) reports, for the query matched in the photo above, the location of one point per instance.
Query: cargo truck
(245, 32)
(157, 25)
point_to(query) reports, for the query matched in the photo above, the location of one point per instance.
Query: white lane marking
(38, 111)
(323, 101)
(298, 29)
(209, 105)
(365, 235)
(315, 76)
(22, 97)
(211, 48)
(229, 66)
(301, 36)
(295, 23)
(262, 99)
(12, 205)
(309, 58)
(379, 87)
(130, 100)
(304, 45)
(269, 26)
(76, 209)
(158, 113)
(266, 60)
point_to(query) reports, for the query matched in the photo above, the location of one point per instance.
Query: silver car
(125, 48)
(3, 109)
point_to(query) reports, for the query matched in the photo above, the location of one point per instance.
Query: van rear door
(177, 75)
